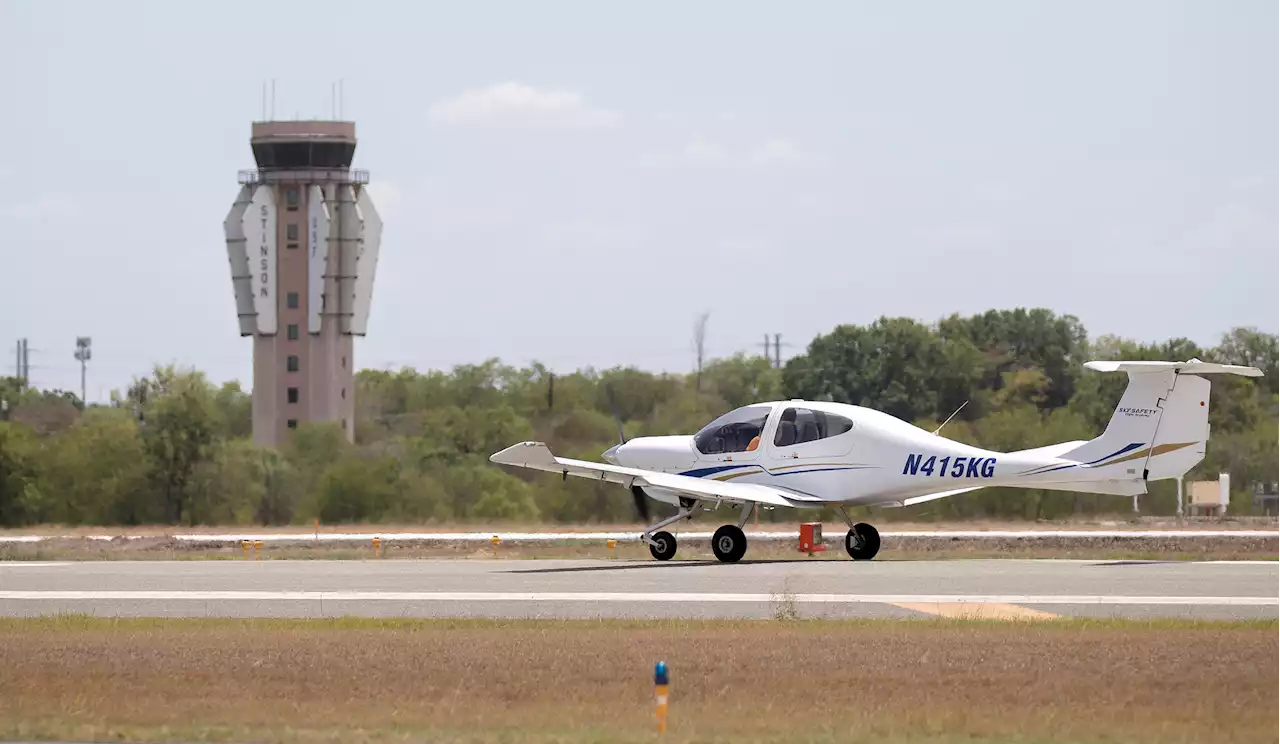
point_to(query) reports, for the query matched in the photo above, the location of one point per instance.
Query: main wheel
(663, 546)
(862, 542)
(729, 544)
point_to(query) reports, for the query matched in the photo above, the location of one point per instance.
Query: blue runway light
(660, 673)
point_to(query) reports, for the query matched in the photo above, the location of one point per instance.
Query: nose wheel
(862, 542)
(663, 546)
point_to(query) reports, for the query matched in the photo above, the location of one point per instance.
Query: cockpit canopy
(733, 431)
(796, 425)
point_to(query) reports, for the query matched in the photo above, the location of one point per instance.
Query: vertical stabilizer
(1161, 425)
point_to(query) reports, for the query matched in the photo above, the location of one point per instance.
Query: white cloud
(701, 151)
(777, 152)
(774, 153)
(516, 104)
(387, 197)
(44, 207)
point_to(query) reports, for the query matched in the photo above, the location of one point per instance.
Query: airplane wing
(537, 456)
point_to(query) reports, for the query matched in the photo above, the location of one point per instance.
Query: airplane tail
(1161, 425)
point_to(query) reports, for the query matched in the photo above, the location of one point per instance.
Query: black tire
(729, 544)
(862, 542)
(664, 546)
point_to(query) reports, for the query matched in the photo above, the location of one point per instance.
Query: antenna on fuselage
(953, 415)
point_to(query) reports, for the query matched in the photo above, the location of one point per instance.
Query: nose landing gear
(663, 546)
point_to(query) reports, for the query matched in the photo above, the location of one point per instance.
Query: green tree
(96, 471)
(179, 428)
(20, 497)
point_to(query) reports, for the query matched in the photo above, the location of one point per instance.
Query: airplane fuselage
(840, 454)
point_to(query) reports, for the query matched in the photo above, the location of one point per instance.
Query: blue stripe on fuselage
(704, 472)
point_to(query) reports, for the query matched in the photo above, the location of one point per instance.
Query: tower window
(291, 231)
(293, 331)
(292, 363)
(292, 423)
(344, 362)
(291, 198)
(344, 393)
(293, 395)
(292, 300)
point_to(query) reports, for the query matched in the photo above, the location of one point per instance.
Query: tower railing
(303, 175)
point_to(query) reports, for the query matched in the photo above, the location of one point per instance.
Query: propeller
(637, 493)
(642, 502)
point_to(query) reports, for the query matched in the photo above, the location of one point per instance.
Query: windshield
(732, 432)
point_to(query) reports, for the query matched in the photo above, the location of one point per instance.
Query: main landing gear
(862, 541)
(729, 543)
(662, 544)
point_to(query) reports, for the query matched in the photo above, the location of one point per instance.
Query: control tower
(302, 239)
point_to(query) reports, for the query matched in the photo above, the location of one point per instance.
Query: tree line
(175, 449)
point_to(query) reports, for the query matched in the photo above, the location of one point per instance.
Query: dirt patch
(585, 681)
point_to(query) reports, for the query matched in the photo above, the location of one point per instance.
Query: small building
(1211, 497)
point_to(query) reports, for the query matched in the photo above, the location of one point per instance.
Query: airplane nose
(611, 455)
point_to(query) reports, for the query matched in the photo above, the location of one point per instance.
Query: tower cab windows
(801, 425)
(736, 431)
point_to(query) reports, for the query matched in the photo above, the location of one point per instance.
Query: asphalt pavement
(1004, 588)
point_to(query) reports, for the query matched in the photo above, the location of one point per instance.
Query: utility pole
(700, 346)
(766, 349)
(777, 350)
(83, 354)
(22, 370)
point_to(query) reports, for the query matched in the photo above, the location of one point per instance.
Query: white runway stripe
(670, 597)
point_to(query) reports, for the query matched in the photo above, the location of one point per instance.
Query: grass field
(591, 681)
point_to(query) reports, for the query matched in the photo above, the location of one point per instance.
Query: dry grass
(587, 681)
(1263, 547)
(704, 521)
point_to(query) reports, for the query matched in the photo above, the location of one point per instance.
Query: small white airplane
(809, 455)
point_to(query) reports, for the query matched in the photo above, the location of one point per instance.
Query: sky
(575, 182)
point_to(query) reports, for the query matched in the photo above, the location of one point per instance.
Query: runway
(1003, 588)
